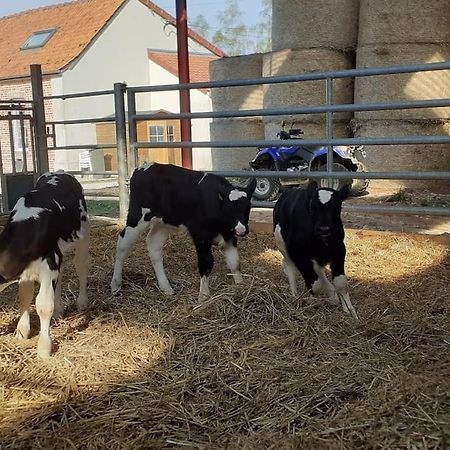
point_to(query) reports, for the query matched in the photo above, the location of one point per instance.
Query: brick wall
(15, 90)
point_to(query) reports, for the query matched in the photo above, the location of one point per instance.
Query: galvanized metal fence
(125, 167)
(329, 108)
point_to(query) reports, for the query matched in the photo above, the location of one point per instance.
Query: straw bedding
(250, 367)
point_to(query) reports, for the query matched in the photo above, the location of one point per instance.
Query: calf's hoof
(21, 333)
(44, 347)
(167, 290)
(58, 311)
(116, 286)
(238, 279)
(82, 302)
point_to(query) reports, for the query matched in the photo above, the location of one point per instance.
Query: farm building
(89, 45)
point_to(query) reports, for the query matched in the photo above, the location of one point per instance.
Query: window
(170, 133)
(161, 133)
(156, 133)
(38, 39)
(21, 126)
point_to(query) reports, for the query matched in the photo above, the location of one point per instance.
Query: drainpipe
(183, 73)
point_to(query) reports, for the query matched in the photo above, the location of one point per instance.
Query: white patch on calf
(232, 258)
(279, 240)
(324, 195)
(290, 269)
(240, 229)
(324, 284)
(22, 212)
(82, 208)
(204, 288)
(156, 239)
(341, 285)
(53, 180)
(236, 194)
(219, 241)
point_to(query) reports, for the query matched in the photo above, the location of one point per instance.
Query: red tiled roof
(77, 24)
(198, 64)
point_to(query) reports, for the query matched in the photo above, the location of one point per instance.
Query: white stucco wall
(169, 100)
(119, 54)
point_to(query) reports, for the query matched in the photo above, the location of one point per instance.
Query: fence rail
(329, 108)
(130, 140)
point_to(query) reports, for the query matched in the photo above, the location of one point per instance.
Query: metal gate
(17, 151)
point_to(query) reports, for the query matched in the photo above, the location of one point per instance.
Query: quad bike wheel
(267, 189)
(359, 186)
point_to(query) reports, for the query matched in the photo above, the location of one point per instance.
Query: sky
(208, 8)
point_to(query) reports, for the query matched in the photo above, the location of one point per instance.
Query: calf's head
(236, 208)
(325, 210)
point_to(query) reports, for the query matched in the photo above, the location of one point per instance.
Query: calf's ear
(251, 187)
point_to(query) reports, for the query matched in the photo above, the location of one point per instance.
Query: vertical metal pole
(183, 71)
(132, 130)
(3, 203)
(11, 143)
(329, 118)
(23, 142)
(121, 140)
(39, 119)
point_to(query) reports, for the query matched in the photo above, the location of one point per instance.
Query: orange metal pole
(183, 74)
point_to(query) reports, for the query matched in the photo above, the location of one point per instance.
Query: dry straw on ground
(250, 368)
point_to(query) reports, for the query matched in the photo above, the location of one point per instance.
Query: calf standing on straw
(43, 226)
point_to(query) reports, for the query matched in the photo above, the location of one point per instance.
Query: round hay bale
(236, 67)
(311, 129)
(314, 23)
(415, 86)
(392, 158)
(307, 93)
(404, 21)
(237, 129)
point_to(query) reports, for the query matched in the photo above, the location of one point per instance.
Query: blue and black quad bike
(298, 158)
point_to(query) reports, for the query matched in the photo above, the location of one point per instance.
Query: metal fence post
(329, 120)
(39, 119)
(121, 140)
(132, 129)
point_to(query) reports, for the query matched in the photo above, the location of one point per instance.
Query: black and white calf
(310, 235)
(44, 225)
(170, 198)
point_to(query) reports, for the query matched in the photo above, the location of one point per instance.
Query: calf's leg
(81, 261)
(127, 238)
(26, 294)
(341, 285)
(58, 310)
(232, 258)
(44, 307)
(205, 264)
(156, 239)
(289, 267)
(323, 284)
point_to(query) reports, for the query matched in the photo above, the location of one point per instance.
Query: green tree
(201, 26)
(263, 29)
(233, 36)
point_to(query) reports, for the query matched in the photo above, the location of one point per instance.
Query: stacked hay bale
(308, 36)
(404, 32)
(231, 98)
